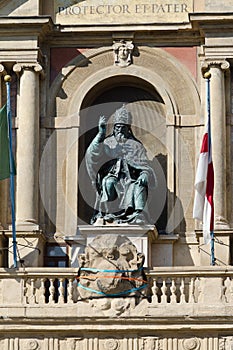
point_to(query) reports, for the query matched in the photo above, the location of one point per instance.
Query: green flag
(4, 146)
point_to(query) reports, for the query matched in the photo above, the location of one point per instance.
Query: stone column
(218, 129)
(27, 154)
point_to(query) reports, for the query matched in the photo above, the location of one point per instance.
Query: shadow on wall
(164, 217)
(13, 8)
(83, 62)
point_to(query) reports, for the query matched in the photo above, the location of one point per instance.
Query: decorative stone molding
(123, 52)
(32, 344)
(226, 343)
(191, 344)
(222, 64)
(19, 67)
(117, 256)
(150, 343)
(75, 343)
(111, 344)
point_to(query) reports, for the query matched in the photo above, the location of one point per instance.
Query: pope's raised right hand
(102, 125)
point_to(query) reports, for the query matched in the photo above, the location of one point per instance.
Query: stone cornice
(212, 17)
(25, 26)
(27, 20)
(212, 23)
(99, 36)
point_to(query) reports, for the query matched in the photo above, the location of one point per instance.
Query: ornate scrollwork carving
(225, 65)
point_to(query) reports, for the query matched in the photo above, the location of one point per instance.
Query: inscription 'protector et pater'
(122, 12)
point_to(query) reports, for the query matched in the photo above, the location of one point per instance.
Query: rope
(99, 270)
(115, 294)
(119, 277)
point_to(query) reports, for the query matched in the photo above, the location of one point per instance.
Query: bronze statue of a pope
(120, 173)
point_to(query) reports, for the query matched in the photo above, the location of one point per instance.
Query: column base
(220, 223)
(28, 225)
(163, 250)
(30, 247)
(221, 247)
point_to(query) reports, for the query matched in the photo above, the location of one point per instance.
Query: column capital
(221, 64)
(19, 67)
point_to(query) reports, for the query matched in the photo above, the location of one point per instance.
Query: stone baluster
(173, 291)
(164, 290)
(25, 291)
(224, 290)
(231, 290)
(218, 131)
(33, 292)
(70, 291)
(42, 291)
(51, 291)
(155, 292)
(61, 291)
(191, 290)
(182, 291)
(27, 154)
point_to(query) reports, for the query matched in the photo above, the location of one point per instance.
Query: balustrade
(169, 286)
(51, 290)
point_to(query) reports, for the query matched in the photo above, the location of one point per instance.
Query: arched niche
(148, 125)
(88, 77)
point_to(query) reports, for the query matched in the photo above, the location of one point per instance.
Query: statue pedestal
(163, 250)
(141, 236)
(221, 247)
(30, 248)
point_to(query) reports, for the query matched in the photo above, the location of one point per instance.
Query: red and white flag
(203, 209)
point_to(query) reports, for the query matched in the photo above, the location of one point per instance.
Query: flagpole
(207, 76)
(7, 80)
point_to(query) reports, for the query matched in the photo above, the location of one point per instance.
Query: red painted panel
(59, 57)
(186, 55)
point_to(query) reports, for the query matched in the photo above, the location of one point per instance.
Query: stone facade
(66, 71)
